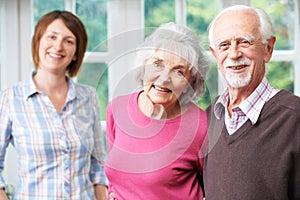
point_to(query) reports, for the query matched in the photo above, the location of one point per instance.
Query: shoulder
(196, 109)
(286, 101)
(197, 114)
(17, 90)
(122, 103)
(83, 92)
(83, 88)
(210, 109)
(125, 99)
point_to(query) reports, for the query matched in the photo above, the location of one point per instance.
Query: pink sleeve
(110, 127)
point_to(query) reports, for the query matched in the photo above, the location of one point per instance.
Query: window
(280, 71)
(117, 27)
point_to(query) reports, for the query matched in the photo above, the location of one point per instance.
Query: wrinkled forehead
(169, 57)
(175, 51)
(236, 24)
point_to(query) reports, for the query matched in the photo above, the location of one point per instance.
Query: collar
(251, 106)
(30, 88)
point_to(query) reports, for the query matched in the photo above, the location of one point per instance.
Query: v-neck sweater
(260, 161)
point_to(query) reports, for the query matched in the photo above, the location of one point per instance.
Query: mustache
(243, 61)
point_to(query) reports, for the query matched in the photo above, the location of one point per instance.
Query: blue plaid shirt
(60, 155)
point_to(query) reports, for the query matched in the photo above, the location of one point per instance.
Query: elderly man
(254, 131)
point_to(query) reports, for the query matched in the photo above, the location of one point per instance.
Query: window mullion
(181, 12)
(297, 49)
(70, 5)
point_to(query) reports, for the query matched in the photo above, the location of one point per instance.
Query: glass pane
(158, 12)
(95, 75)
(281, 75)
(41, 7)
(211, 87)
(93, 14)
(199, 15)
(282, 15)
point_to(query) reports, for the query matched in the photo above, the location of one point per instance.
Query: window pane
(199, 15)
(41, 7)
(95, 75)
(282, 15)
(93, 14)
(158, 12)
(211, 87)
(281, 75)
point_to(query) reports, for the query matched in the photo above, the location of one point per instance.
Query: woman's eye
(52, 37)
(158, 65)
(179, 73)
(71, 42)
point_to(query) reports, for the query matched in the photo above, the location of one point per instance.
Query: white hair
(181, 41)
(265, 26)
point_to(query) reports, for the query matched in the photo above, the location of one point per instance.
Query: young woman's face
(57, 48)
(166, 77)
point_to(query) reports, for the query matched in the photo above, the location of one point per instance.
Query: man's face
(239, 51)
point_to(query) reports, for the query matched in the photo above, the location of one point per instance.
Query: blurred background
(117, 27)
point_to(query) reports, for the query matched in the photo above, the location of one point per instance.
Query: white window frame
(123, 16)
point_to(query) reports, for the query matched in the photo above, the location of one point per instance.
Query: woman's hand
(112, 196)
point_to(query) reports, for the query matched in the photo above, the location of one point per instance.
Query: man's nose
(234, 51)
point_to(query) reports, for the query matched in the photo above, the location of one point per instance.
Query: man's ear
(213, 51)
(269, 48)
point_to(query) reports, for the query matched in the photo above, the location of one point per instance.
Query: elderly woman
(154, 135)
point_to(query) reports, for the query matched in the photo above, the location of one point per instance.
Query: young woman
(53, 122)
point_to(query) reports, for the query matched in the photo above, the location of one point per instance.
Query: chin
(238, 82)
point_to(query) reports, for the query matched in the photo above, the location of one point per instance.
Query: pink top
(153, 159)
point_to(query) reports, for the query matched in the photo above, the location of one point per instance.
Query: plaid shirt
(248, 109)
(60, 155)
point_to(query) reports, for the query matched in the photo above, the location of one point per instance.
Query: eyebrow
(185, 67)
(57, 33)
(245, 37)
(157, 58)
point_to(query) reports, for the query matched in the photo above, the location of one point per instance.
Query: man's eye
(223, 46)
(245, 43)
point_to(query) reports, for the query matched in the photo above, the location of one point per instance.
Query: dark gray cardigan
(260, 161)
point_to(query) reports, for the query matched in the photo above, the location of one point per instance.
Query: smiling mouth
(161, 89)
(237, 67)
(55, 55)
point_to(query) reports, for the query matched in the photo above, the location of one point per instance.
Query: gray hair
(264, 19)
(181, 41)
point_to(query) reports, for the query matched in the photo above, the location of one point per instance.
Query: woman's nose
(58, 45)
(164, 75)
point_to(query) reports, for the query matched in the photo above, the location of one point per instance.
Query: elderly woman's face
(166, 77)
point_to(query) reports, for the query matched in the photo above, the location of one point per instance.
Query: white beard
(238, 81)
